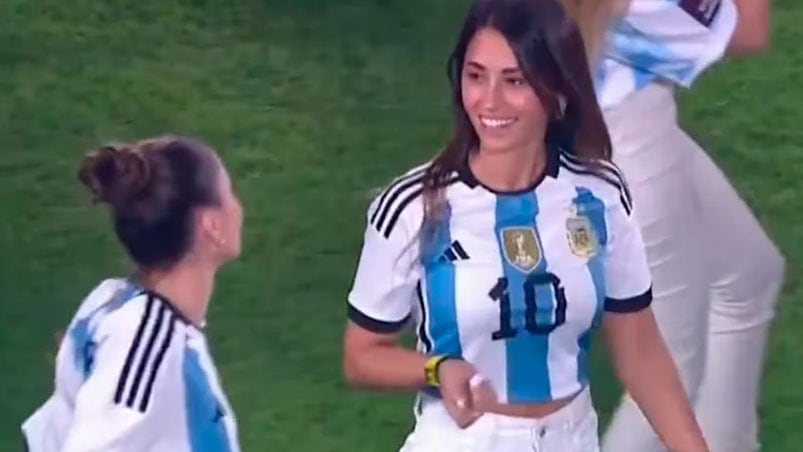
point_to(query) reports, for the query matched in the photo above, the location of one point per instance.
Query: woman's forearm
(652, 380)
(753, 29)
(386, 367)
(648, 373)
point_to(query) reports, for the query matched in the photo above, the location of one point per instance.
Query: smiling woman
(534, 76)
(508, 250)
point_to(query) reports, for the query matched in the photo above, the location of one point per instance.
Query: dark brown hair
(550, 52)
(153, 188)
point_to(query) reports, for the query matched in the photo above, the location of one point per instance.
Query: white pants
(716, 274)
(571, 429)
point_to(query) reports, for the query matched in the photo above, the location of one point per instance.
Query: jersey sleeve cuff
(375, 325)
(632, 304)
(722, 30)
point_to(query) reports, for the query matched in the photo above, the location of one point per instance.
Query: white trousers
(716, 274)
(571, 429)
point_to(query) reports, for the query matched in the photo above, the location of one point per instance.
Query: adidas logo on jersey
(453, 253)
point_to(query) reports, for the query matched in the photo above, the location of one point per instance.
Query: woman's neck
(510, 170)
(188, 287)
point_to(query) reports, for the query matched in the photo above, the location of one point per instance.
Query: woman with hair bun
(133, 372)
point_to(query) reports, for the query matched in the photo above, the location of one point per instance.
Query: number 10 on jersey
(500, 294)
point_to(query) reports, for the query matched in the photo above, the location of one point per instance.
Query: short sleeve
(675, 40)
(628, 277)
(383, 290)
(135, 367)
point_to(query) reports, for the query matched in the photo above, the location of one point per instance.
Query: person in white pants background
(717, 276)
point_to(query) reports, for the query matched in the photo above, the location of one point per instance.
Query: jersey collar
(551, 170)
(169, 305)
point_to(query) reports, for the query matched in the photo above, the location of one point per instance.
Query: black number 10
(500, 294)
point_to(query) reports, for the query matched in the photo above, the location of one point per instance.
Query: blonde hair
(593, 17)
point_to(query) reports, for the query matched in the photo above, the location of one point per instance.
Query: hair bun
(115, 175)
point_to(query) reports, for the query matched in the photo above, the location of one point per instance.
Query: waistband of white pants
(572, 414)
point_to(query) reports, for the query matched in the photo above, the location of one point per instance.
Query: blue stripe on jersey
(205, 423)
(82, 334)
(594, 209)
(83, 346)
(526, 353)
(440, 304)
(648, 57)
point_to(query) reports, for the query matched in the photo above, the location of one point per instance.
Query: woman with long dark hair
(508, 250)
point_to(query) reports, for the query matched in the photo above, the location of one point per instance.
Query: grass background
(311, 103)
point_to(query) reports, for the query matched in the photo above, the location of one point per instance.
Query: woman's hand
(466, 394)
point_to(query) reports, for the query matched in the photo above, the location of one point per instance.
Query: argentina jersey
(662, 40)
(132, 374)
(515, 283)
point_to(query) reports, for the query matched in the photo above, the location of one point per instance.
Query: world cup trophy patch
(521, 248)
(583, 240)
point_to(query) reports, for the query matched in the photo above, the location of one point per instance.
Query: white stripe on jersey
(663, 40)
(489, 356)
(563, 342)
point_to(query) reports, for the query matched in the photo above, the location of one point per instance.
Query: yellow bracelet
(431, 373)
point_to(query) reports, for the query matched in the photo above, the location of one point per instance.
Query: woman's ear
(211, 228)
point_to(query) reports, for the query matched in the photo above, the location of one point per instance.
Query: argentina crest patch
(583, 240)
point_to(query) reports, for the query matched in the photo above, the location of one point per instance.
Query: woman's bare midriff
(530, 410)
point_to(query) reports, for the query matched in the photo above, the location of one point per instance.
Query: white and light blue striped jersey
(515, 283)
(668, 40)
(132, 374)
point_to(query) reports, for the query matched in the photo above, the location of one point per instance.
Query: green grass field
(311, 103)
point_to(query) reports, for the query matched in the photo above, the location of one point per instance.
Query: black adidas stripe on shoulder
(401, 188)
(602, 169)
(396, 198)
(604, 165)
(145, 355)
(398, 184)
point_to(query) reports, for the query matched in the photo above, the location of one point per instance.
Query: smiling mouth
(496, 123)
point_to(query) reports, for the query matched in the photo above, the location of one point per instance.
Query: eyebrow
(508, 70)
